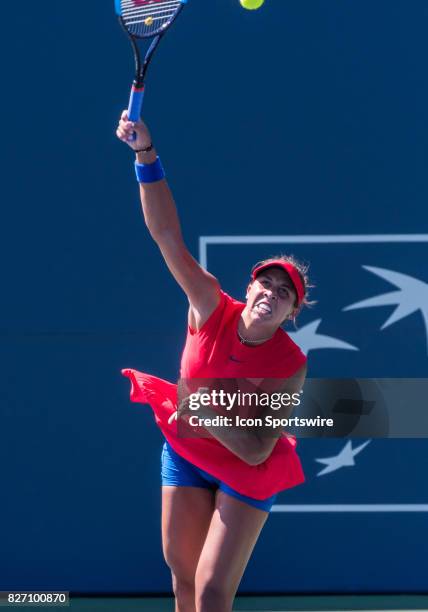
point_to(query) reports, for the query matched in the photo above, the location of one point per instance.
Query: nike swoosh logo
(232, 358)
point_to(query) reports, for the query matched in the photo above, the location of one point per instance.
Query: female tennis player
(218, 488)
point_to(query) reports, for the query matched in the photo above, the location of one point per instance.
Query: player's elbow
(165, 235)
(258, 455)
(258, 459)
(249, 454)
(253, 461)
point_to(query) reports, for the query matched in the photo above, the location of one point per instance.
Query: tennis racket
(143, 19)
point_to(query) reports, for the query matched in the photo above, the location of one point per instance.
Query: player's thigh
(186, 517)
(232, 535)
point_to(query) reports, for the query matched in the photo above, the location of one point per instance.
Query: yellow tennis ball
(251, 5)
(148, 21)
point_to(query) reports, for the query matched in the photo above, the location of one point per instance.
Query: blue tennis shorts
(177, 472)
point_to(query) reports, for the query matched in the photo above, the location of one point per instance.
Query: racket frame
(141, 66)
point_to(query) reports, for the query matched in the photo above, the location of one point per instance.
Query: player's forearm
(160, 212)
(244, 442)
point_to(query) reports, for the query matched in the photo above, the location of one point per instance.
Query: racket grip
(135, 105)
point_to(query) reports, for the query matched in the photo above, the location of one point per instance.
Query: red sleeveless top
(216, 352)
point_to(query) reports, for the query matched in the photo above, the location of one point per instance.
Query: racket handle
(135, 105)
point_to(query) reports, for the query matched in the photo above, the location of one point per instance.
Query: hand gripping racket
(145, 19)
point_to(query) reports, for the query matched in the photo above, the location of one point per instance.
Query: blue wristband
(149, 173)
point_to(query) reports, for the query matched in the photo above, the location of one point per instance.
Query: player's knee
(178, 565)
(184, 591)
(212, 596)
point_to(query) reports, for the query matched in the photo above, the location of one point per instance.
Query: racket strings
(145, 17)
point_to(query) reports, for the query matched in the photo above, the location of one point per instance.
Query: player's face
(271, 297)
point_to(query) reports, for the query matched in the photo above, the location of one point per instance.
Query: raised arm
(161, 217)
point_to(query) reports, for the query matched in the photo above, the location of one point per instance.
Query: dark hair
(301, 268)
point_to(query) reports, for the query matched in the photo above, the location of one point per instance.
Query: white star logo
(411, 297)
(345, 458)
(307, 339)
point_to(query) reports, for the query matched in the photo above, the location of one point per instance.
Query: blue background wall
(299, 119)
